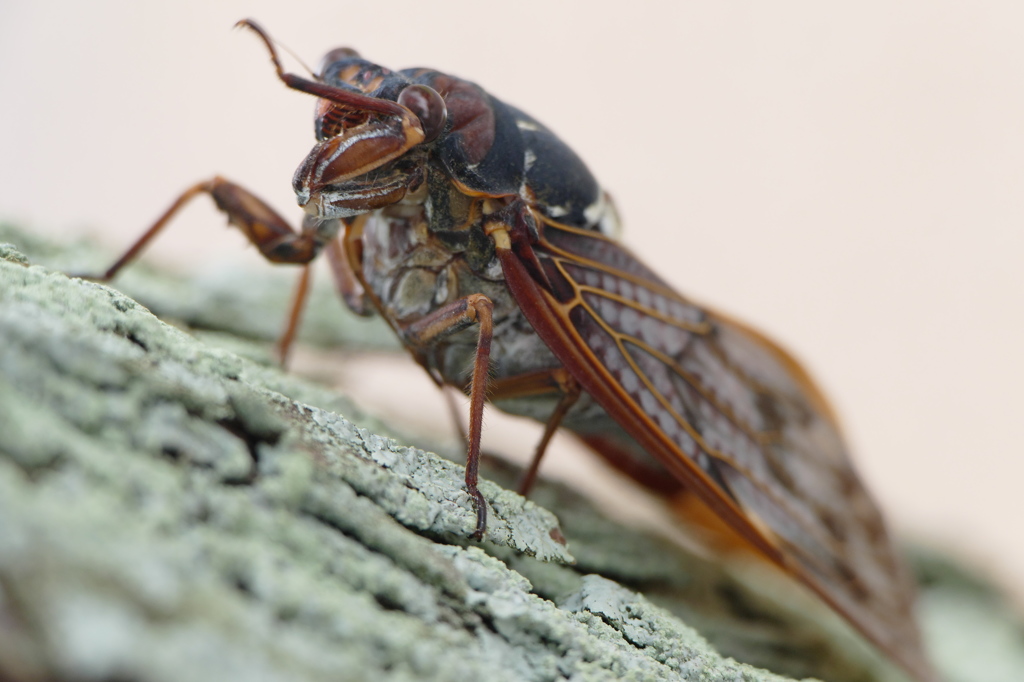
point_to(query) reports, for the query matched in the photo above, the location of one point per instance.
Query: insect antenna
(295, 55)
(328, 92)
(249, 23)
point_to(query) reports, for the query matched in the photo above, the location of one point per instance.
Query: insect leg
(262, 226)
(269, 232)
(347, 283)
(570, 394)
(283, 346)
(541, 383)
(454, 317)
(548, 382)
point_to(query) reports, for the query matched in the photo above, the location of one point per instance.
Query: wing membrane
(729, 413)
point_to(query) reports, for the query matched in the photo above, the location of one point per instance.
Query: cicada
(486, 243)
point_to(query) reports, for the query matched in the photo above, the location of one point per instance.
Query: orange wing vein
(729, 413)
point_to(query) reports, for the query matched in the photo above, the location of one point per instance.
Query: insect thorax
(430, 250)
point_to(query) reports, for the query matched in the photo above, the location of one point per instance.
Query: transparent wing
(729, 413)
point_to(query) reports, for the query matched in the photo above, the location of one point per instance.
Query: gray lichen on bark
(170, 510)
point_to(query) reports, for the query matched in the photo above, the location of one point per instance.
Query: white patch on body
(529, 158)
(604, 215)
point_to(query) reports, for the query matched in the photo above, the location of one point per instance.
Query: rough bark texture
(173, 510)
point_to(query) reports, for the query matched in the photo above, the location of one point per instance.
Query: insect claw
(481, 513)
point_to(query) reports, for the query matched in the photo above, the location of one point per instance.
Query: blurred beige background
(849, 177)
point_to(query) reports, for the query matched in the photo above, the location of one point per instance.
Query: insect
(484, 241)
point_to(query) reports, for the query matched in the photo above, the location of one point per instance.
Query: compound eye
(336, 55)
(428, 106)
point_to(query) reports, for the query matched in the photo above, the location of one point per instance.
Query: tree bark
(173, 510)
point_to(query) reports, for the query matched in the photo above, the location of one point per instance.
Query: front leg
(443, 322)
(261, 225)
(276, 240)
